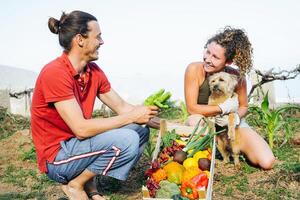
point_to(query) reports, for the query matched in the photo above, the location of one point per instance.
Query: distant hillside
(16, 78)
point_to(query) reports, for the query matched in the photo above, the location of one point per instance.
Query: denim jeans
(112, 153)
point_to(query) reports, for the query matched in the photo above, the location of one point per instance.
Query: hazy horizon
(149, 44)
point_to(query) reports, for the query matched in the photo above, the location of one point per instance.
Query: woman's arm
(241, 90)
(194, 77)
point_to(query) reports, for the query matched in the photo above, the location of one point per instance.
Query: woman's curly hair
(238, 47)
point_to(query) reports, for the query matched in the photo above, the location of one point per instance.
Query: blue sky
(155, 40)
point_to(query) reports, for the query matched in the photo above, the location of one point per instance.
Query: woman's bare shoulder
(195, 67)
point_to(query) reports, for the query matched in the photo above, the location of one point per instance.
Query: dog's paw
(226, 160)
(237, 166)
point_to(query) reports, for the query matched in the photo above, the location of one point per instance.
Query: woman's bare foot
(74, 192)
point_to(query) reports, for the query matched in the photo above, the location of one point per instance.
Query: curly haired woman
(231, 46)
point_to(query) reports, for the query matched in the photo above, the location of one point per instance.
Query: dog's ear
(210, 78)
(234, 79)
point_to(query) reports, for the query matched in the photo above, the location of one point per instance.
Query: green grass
(243, 185)
(26, 195)
(228, 179)
(287, 171)
(150, 146)
(286, 153)
(228, 191)
(29, 155)
(290, 157)
(277, 194)
(18, 177)
(117, 197)
(248, 169)
(10, 123)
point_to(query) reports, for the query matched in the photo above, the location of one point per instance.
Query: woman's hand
(223, 120)
(229, 106)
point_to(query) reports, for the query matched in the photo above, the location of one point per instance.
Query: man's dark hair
(70, 25)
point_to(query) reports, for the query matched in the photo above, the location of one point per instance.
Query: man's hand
(229, 106)
(223, 120)
(142, 114)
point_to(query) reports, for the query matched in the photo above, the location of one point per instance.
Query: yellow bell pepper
(180, 142)
(201, 154)
(190, 162)
(190, 173)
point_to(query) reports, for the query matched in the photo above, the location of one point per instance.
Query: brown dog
(222, 87)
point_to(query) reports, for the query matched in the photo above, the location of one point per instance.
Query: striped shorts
(112, 153)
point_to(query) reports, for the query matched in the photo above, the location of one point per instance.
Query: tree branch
(21, 94)
(270, 76)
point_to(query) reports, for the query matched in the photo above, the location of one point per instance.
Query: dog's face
(222, 83)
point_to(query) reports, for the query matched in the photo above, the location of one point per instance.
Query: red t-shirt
(59, 81)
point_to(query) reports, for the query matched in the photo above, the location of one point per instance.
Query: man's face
(214, 58)
(92, 42)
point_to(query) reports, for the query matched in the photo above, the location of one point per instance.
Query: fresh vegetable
(159, 175)
(199, 145)
(204, 164)
(167, 190)
(207, 173)
(149, 100)
(201, 181)
(189, 190)
(179, 197)
(191, 187)
(190, 162)
(180, 142)
(152, 187)
(201, 154)
(169, 137)
(180, 156)
(174, 172)
(167, 152)
(190, 173)
(159, 99)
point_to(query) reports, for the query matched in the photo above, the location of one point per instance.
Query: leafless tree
(270, 76)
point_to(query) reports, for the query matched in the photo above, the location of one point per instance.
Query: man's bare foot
(91, 190)
(97, 196)
(74, 193)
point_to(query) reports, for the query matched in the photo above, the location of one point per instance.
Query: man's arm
(71, 113)
(115, 102)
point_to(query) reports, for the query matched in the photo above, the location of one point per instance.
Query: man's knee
(143, 132)
(129, 141)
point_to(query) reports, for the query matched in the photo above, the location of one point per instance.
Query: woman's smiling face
(214, 58)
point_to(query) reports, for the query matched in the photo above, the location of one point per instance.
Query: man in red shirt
(72, 148)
